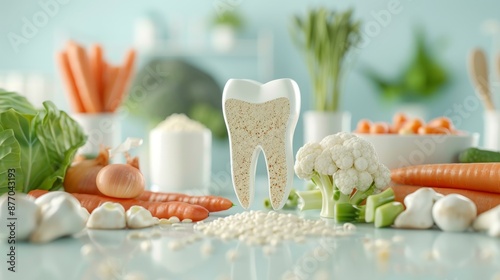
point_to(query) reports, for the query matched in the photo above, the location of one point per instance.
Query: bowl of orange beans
(411, 141)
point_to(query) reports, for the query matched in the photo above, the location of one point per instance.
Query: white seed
(174, 219)
(260, 228)
(164, 221)
(268, 250)
(175, 245)
(207, 249)
(349, 227)
(187, 221)
(231, 255)
(146, 245)
(87, 250)
(300, 239)
(137, 235)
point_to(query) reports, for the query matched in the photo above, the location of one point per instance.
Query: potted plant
(326, 37)
(421, 79)
(225, 26)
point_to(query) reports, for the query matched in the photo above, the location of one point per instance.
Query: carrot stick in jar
(80, 67)
(117, 94)
(69, 81)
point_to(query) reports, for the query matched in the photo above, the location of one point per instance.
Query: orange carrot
(484, 200)
(363, 126)
(81, 70)
(211, 203)
(379, 128)
(469, 176)
(69, 81)
(160, 210)
(117, 93)
(97, 65)
(110, 80)
(426, 129)
(411, 126)
(441, 122)
(398, 121)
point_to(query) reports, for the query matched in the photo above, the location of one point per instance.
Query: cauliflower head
(350, 160)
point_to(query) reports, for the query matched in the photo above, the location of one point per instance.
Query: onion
(121, 180)
(81, 175)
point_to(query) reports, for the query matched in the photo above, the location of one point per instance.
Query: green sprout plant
(228, 18)
(326, 37)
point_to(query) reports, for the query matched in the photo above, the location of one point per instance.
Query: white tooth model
(261, 117)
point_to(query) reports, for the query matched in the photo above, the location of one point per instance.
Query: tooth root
(253, 125)
(277, 168)
(243, 168)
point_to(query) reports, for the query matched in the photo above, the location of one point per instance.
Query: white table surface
(111, 254)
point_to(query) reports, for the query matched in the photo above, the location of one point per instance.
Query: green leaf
(12, 100)
(10, 158)
(47, 143)
(30, 148)
(60, 136)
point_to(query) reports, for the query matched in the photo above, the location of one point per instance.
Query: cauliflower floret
(360, 147)
(324, 163)
(305, 160)
(345, 162)
(342, 156)
(382, 177)
(346, 180)
(336, 139)
(365, 180)
(361, 164)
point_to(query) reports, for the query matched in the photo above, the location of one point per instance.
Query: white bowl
(396, 150)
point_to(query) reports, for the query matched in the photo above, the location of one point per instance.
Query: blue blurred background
(452, 27)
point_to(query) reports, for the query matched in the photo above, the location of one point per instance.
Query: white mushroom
(57, 218)
(489, 221)
(454, 212)
(109, 215)
(18, 211)
(418, 213)
(139, 217)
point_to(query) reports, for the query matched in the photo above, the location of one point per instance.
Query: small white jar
(180, 157)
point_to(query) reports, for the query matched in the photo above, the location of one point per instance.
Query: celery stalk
(309, 200)
(347, 212)
(374, 201)
(387, 213)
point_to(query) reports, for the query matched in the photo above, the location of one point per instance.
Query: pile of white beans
(269, 228)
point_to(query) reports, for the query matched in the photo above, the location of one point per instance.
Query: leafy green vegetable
(422, 77)
(12, 100)
(40, 145)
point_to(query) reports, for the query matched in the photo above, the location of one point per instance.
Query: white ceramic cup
(491, 130)
(180, 160)
(101, 129)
